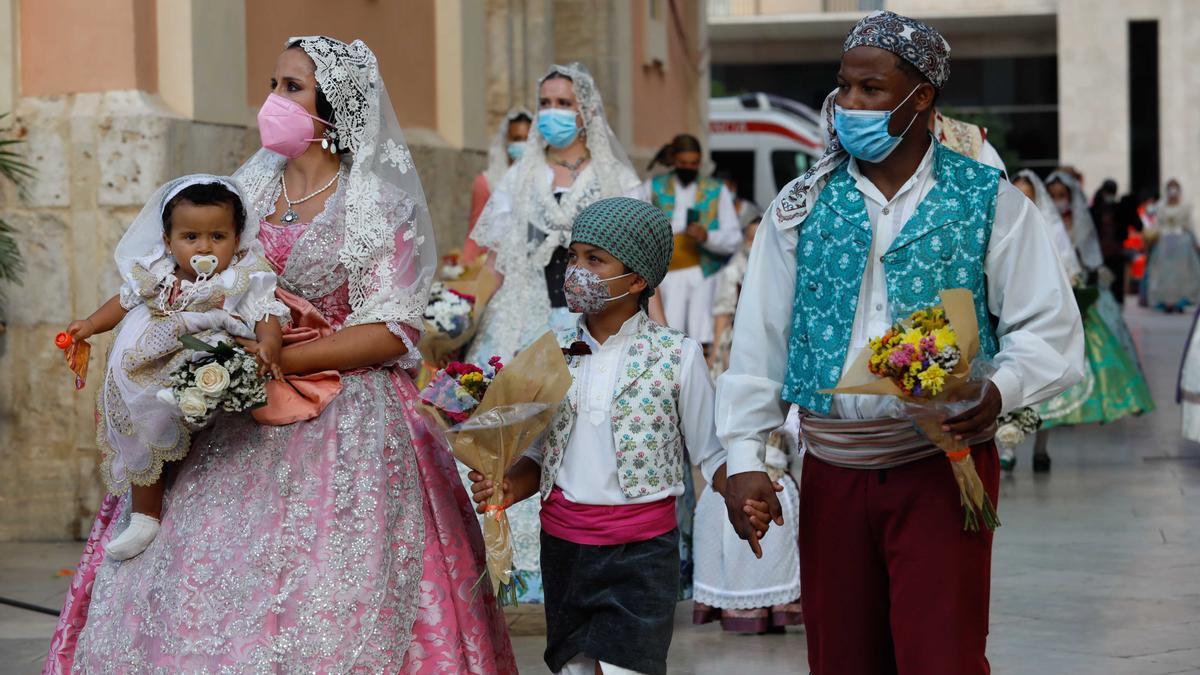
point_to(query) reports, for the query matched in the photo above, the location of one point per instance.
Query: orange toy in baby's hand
(78, 353)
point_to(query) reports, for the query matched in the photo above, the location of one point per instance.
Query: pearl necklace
(290, 216)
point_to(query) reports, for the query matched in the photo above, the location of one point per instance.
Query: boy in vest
(611, 464)
(874, 231)
(703, 244)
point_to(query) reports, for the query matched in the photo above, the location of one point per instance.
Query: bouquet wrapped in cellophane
(455, 305)
(491, 413)
(926, 360)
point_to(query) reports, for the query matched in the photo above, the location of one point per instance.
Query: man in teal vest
(703, 242)
(888, 218)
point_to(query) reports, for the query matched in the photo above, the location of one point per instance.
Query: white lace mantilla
(383, 230)
(523, 222)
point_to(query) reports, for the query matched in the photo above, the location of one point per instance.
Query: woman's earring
(329, 140)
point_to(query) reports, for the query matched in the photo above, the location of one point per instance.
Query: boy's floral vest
(943, 246)
(645, 413)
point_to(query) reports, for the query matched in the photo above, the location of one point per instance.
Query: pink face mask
(284, 126)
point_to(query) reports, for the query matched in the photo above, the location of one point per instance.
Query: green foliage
(13, 166)
(12, 163)
(222, 351)
(11, 265)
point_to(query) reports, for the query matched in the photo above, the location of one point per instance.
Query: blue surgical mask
(864, 133)
(557, 126)
(515, 150)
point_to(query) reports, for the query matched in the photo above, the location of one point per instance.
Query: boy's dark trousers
(611, 603)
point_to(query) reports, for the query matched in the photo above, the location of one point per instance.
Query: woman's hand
(267, 354)
(268, 358)
(81, 330)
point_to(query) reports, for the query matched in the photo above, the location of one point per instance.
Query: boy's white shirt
(588, 474)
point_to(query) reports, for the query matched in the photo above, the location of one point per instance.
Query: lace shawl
(523, 222)
(381, 228)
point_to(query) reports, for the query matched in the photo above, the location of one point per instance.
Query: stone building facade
(114, 97)
(1098, 95)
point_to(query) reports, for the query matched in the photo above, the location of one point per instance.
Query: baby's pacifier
(204, 265)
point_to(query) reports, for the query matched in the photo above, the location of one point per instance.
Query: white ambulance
(763, 141)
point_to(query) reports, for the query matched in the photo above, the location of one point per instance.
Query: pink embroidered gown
(345, 543)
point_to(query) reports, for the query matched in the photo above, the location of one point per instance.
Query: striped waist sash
(867, 444)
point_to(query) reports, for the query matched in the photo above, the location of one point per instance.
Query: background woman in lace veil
(1113, 386)
(507, 146)
(344, 541)
(572, 159)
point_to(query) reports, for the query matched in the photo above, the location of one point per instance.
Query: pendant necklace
(573, 167)
(290, 216)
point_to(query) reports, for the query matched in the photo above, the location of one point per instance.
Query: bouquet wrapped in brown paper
(927, 360)
(491, 414)
(452, 314)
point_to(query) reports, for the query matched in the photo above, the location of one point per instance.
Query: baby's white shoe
(141, 531)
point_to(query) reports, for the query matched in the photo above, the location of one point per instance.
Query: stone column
(519, 50)
(8, 56)
(461, 91)
(1093, 89)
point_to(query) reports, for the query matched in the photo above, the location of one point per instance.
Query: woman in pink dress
(344, 542)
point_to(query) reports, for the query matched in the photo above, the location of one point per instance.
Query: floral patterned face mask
(586, 292)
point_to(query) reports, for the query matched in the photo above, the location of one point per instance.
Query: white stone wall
(1093, 81)
(98, 157)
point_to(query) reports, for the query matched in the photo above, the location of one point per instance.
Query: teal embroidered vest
(943, 246)
(645, 414)
(708, 193)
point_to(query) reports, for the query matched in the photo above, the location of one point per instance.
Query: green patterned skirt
(1113, 385)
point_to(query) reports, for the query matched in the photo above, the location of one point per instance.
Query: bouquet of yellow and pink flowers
(925, 359)
(456, 390)
(917, 353)
(490, 414)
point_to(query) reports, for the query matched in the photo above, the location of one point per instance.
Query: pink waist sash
(606, 525)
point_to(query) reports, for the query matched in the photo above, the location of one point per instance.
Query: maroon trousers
(890, 582)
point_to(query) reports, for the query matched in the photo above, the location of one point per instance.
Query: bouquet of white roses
(224, 377)
(1015, 426)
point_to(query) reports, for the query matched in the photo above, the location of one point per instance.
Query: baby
(185, 272)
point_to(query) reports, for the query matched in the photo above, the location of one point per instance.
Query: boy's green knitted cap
(634, 232)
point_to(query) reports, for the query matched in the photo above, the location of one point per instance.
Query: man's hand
(980, 418)
(697, 231)
(750, 501)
